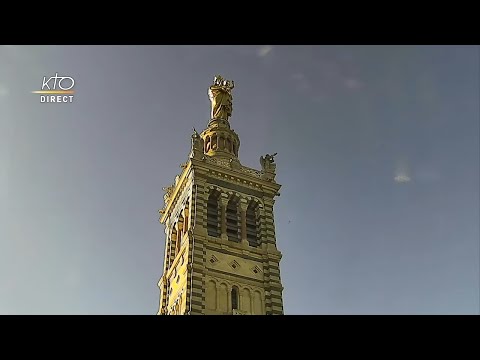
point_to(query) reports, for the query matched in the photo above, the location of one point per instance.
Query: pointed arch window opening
(186, 219)
(252, 224)
(232, 220)
(213, 214)
(214, 142)
(208, 143)
(180, 233)
(173, 244)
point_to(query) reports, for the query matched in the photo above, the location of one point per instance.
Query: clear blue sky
(378, 155)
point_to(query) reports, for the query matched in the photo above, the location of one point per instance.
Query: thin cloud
(402, 178)
(402, 171)
(327, 80)
(264, 50)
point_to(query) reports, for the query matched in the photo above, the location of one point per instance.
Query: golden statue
(220, 94)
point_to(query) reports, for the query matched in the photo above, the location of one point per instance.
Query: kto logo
(56, 89)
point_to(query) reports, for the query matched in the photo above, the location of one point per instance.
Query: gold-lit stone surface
(212, 267)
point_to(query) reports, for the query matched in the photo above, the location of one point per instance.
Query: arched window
(214, 142)
(173, 244)
(186, 213)
(221, 143)
(234, 298)
(232, 220)
(179, 235)
(251, 220)
(213, 223)
(229, 145)
(207, 144)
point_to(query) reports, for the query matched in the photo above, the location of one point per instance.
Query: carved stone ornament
(197, 145)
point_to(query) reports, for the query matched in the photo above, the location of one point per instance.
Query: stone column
(173, 247)
(217, 294)
(166, 256)
(261, 224)
(223, 204)
(229, 299)
(243, 215)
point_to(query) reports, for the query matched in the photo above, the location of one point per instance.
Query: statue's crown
(220, 81)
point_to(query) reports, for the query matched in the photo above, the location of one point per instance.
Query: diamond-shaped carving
(235, 265)
(256, 270)
(213, 259)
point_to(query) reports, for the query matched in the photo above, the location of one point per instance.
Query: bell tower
(221, 256)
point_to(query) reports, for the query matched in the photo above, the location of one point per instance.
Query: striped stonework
(252, 270)
(197, 255)
(163, 298)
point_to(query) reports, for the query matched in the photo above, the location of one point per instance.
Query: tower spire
(219, 139)
(220, 255)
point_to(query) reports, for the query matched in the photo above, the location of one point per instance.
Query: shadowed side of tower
(220, 252)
